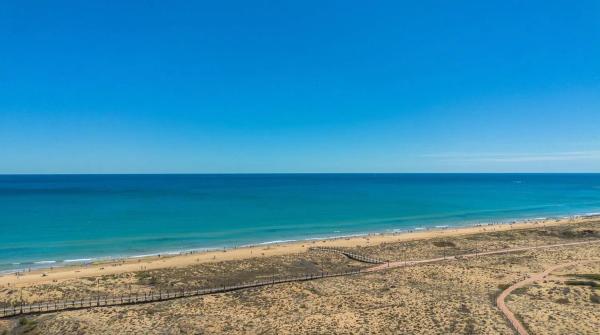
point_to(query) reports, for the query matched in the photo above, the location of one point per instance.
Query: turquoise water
(73, 218)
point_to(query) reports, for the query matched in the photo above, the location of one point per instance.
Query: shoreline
(49, 264)
(265, 249)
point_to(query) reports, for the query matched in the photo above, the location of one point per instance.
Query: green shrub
(591, 276)
(582, 283)
(443, 244)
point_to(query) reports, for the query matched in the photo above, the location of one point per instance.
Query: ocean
(53, 220)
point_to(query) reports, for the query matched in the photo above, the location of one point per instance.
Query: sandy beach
(454, 296)
(298, 167)
(40, 276)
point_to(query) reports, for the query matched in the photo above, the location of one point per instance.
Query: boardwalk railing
(152, 296)
(351, 255)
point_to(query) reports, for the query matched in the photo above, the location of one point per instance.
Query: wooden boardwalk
(351, 255)
(154, 296)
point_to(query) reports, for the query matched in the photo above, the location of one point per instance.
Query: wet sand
(54, 275)
(446, 297)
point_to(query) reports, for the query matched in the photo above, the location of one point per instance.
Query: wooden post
(98, 291)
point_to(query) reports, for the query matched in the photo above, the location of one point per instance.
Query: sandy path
(381, 267)
(169, 261)
(397, 264)
(500, 301)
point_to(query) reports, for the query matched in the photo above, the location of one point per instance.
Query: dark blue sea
(52, 220)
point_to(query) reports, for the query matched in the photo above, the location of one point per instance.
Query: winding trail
(397, 264)
(500, 301)
(101, 301)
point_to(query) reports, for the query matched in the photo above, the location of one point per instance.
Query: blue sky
(299, 86)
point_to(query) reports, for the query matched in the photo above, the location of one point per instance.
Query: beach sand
(39, 276)
(455, 297)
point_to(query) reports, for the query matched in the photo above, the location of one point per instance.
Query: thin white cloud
(517, 157)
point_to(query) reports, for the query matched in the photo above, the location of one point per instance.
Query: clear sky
(299, 86)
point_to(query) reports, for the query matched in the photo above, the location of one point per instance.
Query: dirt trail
(500, 301)
(38, 308)
(397, 264)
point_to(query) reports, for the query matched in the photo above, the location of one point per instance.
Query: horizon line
(268, 173)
